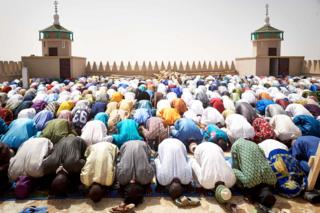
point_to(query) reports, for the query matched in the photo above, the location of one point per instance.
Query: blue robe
(303, 148)
(20, 130)
(186, 129)
(127, 131)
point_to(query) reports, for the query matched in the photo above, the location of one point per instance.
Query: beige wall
(10, 70)
(312, 67)
(42, 67)
(149, 69)
(260, 66)
(63, 45)
(296, 65)
(78, 67)
(263, 66)
(261, 47)
(246, 66)
(49, 67)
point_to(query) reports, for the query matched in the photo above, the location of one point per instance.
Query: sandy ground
(154, 205)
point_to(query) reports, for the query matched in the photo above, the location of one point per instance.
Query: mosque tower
(56, 40)
(266, 41)
(267, 59)
(57, 60)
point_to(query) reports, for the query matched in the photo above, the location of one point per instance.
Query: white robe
(270, 144)
(284, 127)
(172, 162)
(29, 158)
(212, 116)
(93, 132)
(239, 127)
(297, 109)
(210, 166)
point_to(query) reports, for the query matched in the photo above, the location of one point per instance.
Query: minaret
(56, 40)
(266, 40)
(56, 15)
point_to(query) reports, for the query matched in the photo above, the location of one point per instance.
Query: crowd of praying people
(254, 135)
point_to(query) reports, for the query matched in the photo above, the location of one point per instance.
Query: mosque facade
(57, 60)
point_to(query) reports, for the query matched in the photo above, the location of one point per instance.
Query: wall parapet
(149, 68)
(10, 70)
(312, 67)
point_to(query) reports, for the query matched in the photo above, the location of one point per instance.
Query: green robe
(250, 165)
(57, 129)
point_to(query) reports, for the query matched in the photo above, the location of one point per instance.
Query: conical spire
(267, 19)
(56, 15)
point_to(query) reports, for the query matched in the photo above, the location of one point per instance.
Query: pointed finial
(267, 19)
(56, 15)
(56, 7)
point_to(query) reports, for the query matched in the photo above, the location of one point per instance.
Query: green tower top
(56, 31)
(267, 31)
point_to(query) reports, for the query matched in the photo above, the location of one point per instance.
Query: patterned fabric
(52, 107)
(155, 130)
(80, 118)
(250, 165)
(291, 180)
(263, 130)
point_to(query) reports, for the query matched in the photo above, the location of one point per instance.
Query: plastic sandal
(193, 201)
(181, 201)
(123, 208)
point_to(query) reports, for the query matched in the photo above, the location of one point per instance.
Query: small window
(44, 44)
(53, 51)
(272, 52)
(63, 44)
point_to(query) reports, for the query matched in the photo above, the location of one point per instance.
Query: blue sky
(130, 30)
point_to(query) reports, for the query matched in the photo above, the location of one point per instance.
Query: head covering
(39, 105)
(93, 132)
(126, 105)
(42, 118)
(24, 186)
(179, 105)
(218, 104)
(98, 107)
(56, 129)
(22, 106)
(6, 115)
(20, 130)
(116, 97)
(27, 113)
(141, 115)
(222, 194)
(66, 105)
(103, 117)
(52, 107)
(112, 106)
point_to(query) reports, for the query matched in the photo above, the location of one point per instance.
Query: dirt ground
(154, 205)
